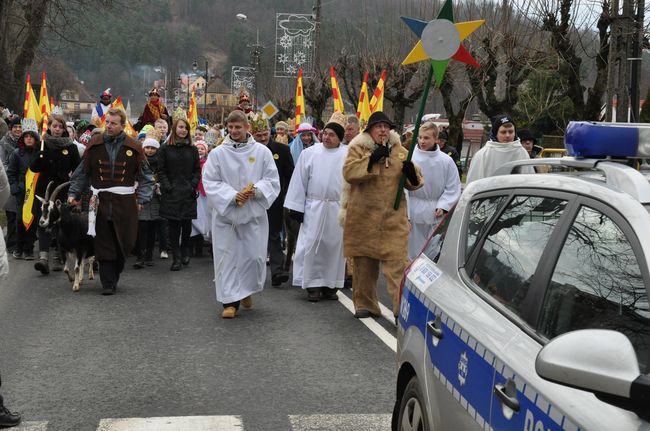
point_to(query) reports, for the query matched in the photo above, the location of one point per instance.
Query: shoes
(108, 290)
(139, 264)
(176, 255)
(42, 263)
(247, 302)
(28, 255)
(57, 263)
(185, 260)
(164, 255)
(8, 419)
(347, 284)
(229, 313)
(278, 279)
(361, 313)
(329, 293)
(176, 266)
(313, 294)
(17, 254)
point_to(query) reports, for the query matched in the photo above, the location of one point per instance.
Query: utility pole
(636, 61)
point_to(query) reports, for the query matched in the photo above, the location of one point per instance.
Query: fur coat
(371, 227)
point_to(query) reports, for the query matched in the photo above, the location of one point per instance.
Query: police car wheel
(412, 413)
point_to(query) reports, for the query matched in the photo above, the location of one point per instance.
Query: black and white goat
(70, 227)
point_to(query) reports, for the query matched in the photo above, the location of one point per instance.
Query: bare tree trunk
(455, 117)
(317, 93)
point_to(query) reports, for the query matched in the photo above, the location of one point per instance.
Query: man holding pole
(374, 232)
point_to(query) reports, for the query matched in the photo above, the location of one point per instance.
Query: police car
(528, 307)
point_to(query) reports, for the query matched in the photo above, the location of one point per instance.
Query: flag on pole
(192, 114)
(128, 128)
(44, 100)
(31, 105)
(363, 108)
(377, 101)
(336, 93)
(300, 99)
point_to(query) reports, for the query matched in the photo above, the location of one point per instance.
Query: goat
(70, 228)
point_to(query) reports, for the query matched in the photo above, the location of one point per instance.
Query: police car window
(434, 244)
(510, 253)
(597, 283)
(481, 212)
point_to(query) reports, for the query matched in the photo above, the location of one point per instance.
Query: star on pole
(441, 40)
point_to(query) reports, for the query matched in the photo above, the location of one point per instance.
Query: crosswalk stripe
(342, 422)
(32, 426)
(370, 323)
(173, 423)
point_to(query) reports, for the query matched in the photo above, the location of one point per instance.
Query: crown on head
(29, 125)
(179, 114)
(57, 110)
(244, 96)
(259, 122)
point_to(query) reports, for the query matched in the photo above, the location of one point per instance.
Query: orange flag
(377, 102)
(128, 128)
(300, 99)
(363, 108)
(336, 93)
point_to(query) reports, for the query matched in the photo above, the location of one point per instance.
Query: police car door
(502, 269)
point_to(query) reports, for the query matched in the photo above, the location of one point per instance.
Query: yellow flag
(128, 128)
(31, 179)
(336, 93)
(44, 100)
(31, 105)
(192, 115)
(377, 101)
(363, 108)
(300, 100)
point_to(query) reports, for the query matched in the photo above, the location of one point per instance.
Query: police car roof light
(584, 139)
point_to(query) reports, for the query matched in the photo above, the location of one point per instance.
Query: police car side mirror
(600, 361)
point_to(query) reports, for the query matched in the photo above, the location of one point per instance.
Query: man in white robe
(503, 147)
(313, 200)
(102, 107)
(428, 205)
(241, 182)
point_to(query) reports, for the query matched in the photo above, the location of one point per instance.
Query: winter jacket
(371, 227)
(20, 161)
(56, 162)
(4, 197)
(151, 210)
(179, 172)
(7, 146)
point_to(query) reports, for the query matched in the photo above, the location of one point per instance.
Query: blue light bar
(585, 139)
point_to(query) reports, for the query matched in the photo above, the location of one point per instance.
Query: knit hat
(201, 144)
(106, 93)
(150, 142)
(281, 124)
(13, 121)
(499, 121)
(376, 118)
(337, 124)
(258, 122)
(84, 138)
(526, 135)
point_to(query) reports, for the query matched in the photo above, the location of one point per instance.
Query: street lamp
(206, 76)
(256, 52)
(180, 81)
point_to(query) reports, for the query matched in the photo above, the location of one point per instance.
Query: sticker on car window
(423, 273)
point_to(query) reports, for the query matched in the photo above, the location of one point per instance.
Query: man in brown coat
(373, 232)
(112, 164)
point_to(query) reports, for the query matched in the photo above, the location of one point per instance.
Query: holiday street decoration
(294, 44)
(242, 77)
(440, 41)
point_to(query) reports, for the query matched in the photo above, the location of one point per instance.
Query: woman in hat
(305, 138)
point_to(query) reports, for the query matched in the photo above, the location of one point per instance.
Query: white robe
(441, 190)
(495, 154)
(239, 233)
(315, 190)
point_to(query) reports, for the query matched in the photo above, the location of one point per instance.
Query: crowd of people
(316, 203)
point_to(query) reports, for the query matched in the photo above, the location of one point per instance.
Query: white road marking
(371, 324)
(174, 423)
(342, 422)
(32, 426)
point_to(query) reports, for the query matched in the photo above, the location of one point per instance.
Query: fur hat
(258, 122)
(376, 118)
(281, 125)
(337, 123)
(151, 142)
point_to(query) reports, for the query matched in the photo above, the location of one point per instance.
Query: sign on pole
(270, 109)
(294, 44)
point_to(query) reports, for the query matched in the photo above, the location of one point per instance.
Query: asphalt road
(159, 349)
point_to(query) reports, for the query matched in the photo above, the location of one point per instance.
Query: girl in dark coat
(179, 173)
(56, 162)
(20, 160)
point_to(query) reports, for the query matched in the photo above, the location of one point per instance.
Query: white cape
(315, 190)
(239, 233)
(495, 154)
(441, 190)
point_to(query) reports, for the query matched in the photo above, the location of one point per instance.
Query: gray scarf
(54, 143)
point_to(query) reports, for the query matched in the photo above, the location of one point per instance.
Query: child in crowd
(201, 224)
(149, 217)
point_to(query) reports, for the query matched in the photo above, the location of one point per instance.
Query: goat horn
(57, 190)
(48, 190)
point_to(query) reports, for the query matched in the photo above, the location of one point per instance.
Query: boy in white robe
(503, 147)
(313, 200)
(241, 182)
(428, 205)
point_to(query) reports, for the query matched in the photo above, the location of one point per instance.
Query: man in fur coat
(373, 232)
